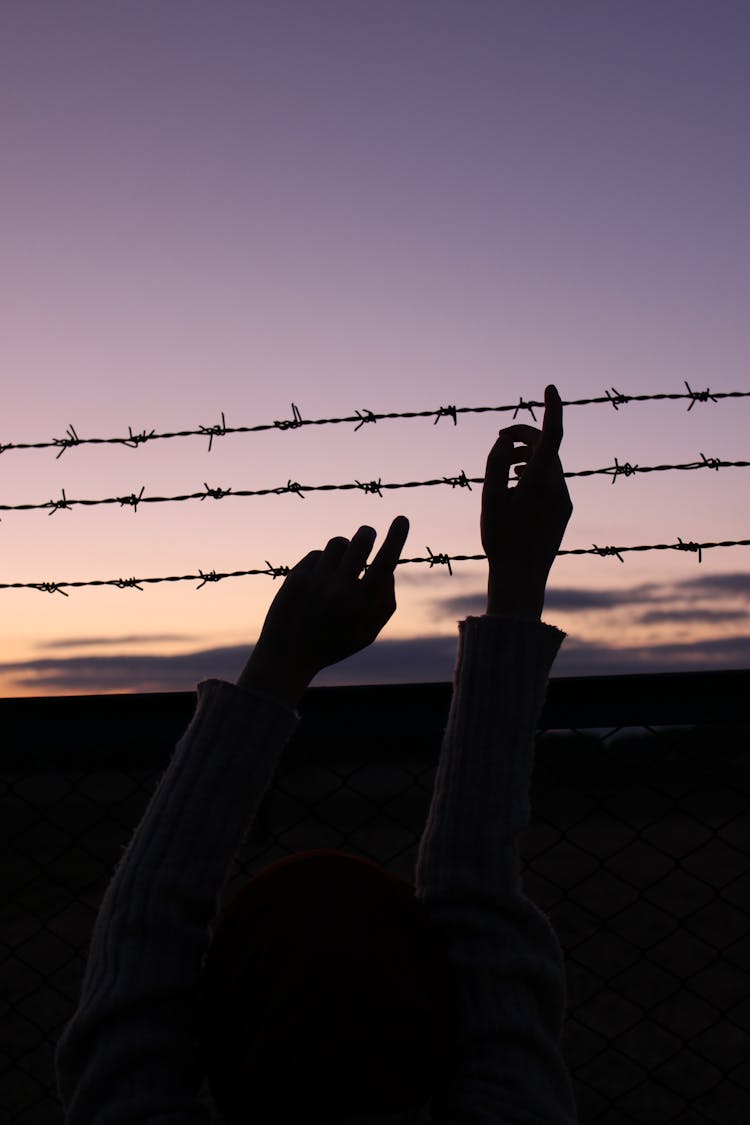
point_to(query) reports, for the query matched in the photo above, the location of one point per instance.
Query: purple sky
(354, 205)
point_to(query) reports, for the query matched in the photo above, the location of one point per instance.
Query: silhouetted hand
(325, 612)
(522, 527)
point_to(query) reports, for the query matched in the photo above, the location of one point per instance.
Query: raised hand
(325, 612)
(522, 527)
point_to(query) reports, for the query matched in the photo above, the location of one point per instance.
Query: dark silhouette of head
(326, 992)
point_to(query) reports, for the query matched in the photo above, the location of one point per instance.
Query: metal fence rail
(637, 849)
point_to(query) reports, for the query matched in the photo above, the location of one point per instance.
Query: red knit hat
(326, 992)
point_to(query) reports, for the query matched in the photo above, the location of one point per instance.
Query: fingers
(348, 557)
(504, 454)
(333, 553)
(519, 431)
(306, 563)
(535, 455)
(355, 556)
(385, 561)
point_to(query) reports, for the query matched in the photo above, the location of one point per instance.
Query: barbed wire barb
(626, 470)
(690, 547)
(66, 443)
(215, 493)
(461, 481)
(527, 406)
(54, 505)
(364, 418)
(212, 576)
(439, 560)
(276, 571)
(219, 430)
(134, 440)
(296, 421)
(698, 396)
(619, 399)
(373, 486)
(130, 501)
(292, 486)
(605, 551)
(49, 588)
(445, 412)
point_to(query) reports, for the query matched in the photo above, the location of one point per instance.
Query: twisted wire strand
(134, 440)
(374, 487)
(431, 558)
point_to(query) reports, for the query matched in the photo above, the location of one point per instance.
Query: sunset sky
(385, 205)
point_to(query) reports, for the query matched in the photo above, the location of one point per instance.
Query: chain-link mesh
(637, 850)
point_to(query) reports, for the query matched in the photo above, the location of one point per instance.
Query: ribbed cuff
(481, 793)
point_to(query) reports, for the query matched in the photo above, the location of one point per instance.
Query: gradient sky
(390, 206)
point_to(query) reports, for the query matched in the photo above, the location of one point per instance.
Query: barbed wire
(134, 440)
(432, 558)
(374, 487)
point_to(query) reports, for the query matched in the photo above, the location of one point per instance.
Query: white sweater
(126, 1057)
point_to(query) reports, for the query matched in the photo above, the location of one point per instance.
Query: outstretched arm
(129, 1053)
(506, 958)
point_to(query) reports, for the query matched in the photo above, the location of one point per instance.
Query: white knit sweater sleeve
(127, 1056)
(505, 953)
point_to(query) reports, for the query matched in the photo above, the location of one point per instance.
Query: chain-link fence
(638, 849)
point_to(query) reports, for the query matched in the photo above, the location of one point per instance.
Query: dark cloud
(111, 642)
(726, 585)
(575, 599)
(135, 672)
(465, 605)
(570, 598)
(586, 658)
(420, 660)
(688, 614)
